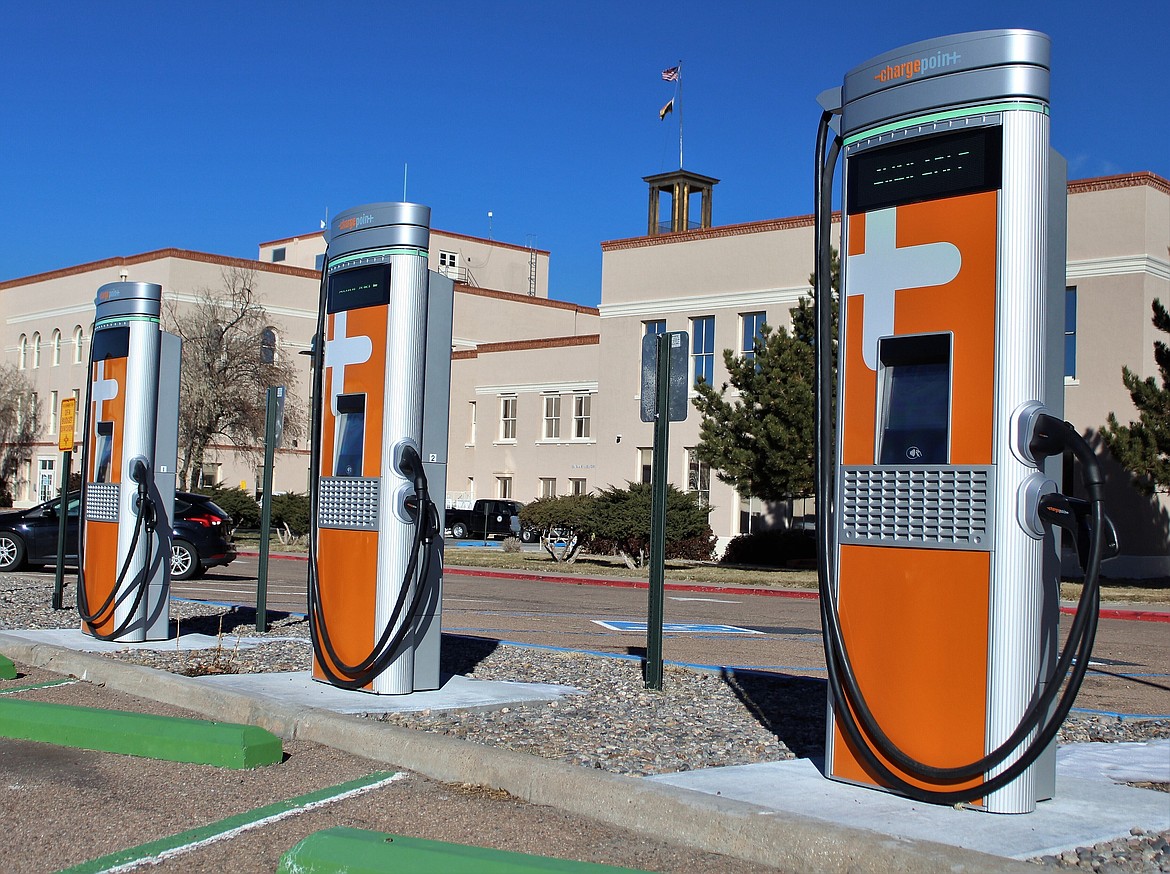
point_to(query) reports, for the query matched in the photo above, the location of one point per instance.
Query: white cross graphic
(341, 351)
(883, 269)
(101, 390)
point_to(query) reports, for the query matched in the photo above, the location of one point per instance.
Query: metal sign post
(273, 431)
(68, 421)
(664, 400)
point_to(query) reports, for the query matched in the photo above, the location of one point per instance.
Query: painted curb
(679, 816)
(357, 851)
(140, 734)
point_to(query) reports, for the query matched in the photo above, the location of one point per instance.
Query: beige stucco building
(545, 394)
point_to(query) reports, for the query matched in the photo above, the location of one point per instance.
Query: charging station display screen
(351, 433)
(359, 287)
(915, 399)
(111, 343)
(104, 451)
(926, 169)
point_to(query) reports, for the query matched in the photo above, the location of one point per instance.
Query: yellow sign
(68, 420)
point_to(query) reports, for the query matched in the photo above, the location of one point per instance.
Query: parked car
(497, 517)
(201, 535)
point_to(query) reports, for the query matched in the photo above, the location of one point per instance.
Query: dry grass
(1155, 591)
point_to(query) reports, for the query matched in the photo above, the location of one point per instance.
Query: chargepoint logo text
(355, 222)
(909, 69)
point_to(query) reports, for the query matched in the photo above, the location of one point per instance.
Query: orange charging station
(128, 467)
(381, 377)
(941, 459)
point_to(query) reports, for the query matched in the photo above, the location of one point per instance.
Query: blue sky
(213, 126)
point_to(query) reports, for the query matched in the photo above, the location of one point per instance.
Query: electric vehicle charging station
(941, 459)
(380, 412)
(130, 446)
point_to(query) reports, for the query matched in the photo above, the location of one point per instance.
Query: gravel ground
(698, 721)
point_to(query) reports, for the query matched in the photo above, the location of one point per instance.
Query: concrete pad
(457, 693)
(79, 641)
(1134, 762)
(1083, 813)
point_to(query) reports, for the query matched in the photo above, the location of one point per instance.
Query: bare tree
(18, 427)
(228, 364)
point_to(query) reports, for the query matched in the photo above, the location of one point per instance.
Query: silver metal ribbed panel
(932, 506)
(348, 502)
(101, 502)
(1014, 634)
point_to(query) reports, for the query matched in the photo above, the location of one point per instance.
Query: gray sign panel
(677, 397)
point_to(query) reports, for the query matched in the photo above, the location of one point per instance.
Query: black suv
(201, 536)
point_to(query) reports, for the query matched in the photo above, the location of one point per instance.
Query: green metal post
(266, 510)
(63, 508)
(653, 671)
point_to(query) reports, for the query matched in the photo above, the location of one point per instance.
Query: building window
(22, 352)
(279, 254)
(699, 477)
(508, 418)
(206, 476)
(751, 513)
(645, 465)
(53, 412)
(702, 349)
(449, 264)
(552, 417)
(582, 411)
(78, 336)
(268, 346)
(36, 350)
(319, 262)
(577, 486)
(750, 324)
(55, 348)
(503, 487)
(78, 413)
(548, 486)
(1070, 332)
(654, 327)
(471, 434)
(46, 473)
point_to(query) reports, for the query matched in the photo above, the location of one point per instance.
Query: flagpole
(678, 93)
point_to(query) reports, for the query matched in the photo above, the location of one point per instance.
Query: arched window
(56, 347)
(78, 337)
(268, 346)
(36, 350)
(22, 352)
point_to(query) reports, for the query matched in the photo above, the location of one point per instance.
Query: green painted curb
(355, 851)
(223, 744)
(7, 669)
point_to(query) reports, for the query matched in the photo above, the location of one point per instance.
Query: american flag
(670, 74)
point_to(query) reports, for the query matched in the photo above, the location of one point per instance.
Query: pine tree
(1143, 447)
(760, 440)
